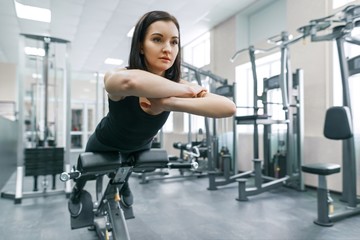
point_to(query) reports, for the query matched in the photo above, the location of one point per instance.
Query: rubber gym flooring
(180, 210)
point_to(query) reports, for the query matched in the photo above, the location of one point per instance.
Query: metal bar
(255, 98)
(67, 97)
(46, 89)
(349, 165)
(300, 126)
(205, 73)
(21, 118)
(283, 78)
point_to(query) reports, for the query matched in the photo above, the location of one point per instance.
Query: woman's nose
(167, 47)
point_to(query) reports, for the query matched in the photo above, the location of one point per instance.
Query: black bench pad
(150, 160)
(108, 161)
(321, 168)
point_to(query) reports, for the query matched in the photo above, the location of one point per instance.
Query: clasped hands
(152, 102)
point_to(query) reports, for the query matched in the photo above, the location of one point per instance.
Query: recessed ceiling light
(32, 13)
(113, 61)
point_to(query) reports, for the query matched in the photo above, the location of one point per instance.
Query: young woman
(142, 95)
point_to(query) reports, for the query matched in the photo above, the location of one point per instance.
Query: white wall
(7, 82)
(267, 22)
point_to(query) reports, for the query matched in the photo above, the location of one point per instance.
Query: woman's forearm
(211, 105)
(124, 83)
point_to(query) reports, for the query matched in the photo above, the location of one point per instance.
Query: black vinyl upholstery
(92, 162)
(321, 168)
(338, 125)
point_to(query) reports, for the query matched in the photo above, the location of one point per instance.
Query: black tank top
(127, 127)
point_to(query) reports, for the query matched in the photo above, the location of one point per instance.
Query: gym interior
(285, 166)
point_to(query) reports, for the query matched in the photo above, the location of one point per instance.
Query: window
(197, 53)
(197, 123)
(266, 67)
(340, 3)
(169, 125)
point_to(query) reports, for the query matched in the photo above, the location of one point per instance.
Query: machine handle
(71, 175)
(192, 166)
(182, 146)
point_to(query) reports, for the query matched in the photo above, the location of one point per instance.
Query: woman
(142, 96)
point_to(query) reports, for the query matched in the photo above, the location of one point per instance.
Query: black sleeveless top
(127, 127)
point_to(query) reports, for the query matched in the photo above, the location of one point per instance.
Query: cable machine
(341, 34)
(342, 23)
(43, 141)
(219, 157)
(266, 172)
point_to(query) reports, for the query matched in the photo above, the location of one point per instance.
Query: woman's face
(160, 46)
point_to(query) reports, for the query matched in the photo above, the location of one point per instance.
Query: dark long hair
(136, 59)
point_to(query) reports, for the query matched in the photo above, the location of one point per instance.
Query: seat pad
(108, 161)
(321, 168)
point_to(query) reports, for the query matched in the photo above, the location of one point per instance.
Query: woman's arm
(210, 105)
(122, 82)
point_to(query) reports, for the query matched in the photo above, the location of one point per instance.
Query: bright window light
(36, 76)
(131, 32)
(34, 51)
(340, 3)
(113, 61)
(101, 75)
(32, 13)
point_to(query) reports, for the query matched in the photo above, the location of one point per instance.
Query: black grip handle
(71, 175)
(182, 146)
(192, 166)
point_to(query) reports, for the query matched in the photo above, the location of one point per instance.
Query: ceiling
(97, 29)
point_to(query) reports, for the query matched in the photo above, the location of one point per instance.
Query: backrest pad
(338, 123)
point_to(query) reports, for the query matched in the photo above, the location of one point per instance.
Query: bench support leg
(323, 218)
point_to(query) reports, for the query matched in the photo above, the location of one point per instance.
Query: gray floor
(181, 210)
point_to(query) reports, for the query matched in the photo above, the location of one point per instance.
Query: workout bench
(338, 126)
(107, 215)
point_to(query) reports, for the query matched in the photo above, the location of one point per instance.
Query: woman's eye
(156, 39)
(175, 42)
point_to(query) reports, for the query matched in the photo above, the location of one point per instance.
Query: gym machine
(189, 154)
(43, 141)
(107, 214)
(221, 164)
(274, 173)
(338, 121)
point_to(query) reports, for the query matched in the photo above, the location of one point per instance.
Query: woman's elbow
(117, 83)
(230, 110)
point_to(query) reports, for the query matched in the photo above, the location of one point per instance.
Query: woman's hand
(158, 105)
(197, 90)
(154, 106)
